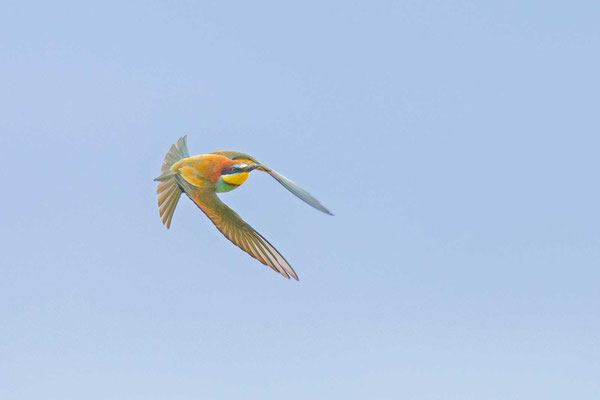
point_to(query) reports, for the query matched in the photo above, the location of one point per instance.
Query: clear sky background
(456, 142)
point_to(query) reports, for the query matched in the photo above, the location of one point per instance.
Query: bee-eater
(202, 177)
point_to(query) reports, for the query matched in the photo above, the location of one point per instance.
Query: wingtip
(289, 276)
(321, 208)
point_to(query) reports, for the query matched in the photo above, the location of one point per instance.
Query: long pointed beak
(250, 167)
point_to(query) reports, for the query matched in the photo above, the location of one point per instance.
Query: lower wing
(238, 231)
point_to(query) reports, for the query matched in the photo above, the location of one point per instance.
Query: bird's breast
(229, 182)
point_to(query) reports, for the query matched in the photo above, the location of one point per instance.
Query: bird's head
(234, 175)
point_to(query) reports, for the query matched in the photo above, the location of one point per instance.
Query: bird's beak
(250, 167)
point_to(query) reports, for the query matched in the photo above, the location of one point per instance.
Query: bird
(201, 177)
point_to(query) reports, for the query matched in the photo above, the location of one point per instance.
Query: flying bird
(202, 177)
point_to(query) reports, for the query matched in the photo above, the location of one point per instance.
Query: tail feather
(169, 190)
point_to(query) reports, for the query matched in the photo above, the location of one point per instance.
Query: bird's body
(203, 170)
(202, 176)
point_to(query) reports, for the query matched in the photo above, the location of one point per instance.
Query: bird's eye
(231, 170)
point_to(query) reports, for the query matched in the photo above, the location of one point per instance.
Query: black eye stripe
(236, 169)
(231, 170)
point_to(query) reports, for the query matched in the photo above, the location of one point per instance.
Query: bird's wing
(298, 191)
(238, 231)
(285, 182)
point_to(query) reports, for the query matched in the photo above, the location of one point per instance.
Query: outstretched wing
(238, 231)
(285, 182)
(298, 191)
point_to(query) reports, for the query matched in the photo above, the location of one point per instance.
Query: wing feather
(298, 191)
(240, 233)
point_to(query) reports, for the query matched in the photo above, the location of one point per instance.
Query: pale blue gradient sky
(456, 142)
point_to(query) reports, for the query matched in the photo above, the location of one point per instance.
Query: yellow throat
(236, 179)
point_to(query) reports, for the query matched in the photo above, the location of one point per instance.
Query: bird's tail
(169, 190)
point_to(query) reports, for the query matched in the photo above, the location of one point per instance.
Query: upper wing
(288, 184)
(238, 231)
(298, 191)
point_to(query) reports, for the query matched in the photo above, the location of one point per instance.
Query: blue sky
(456, 143)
